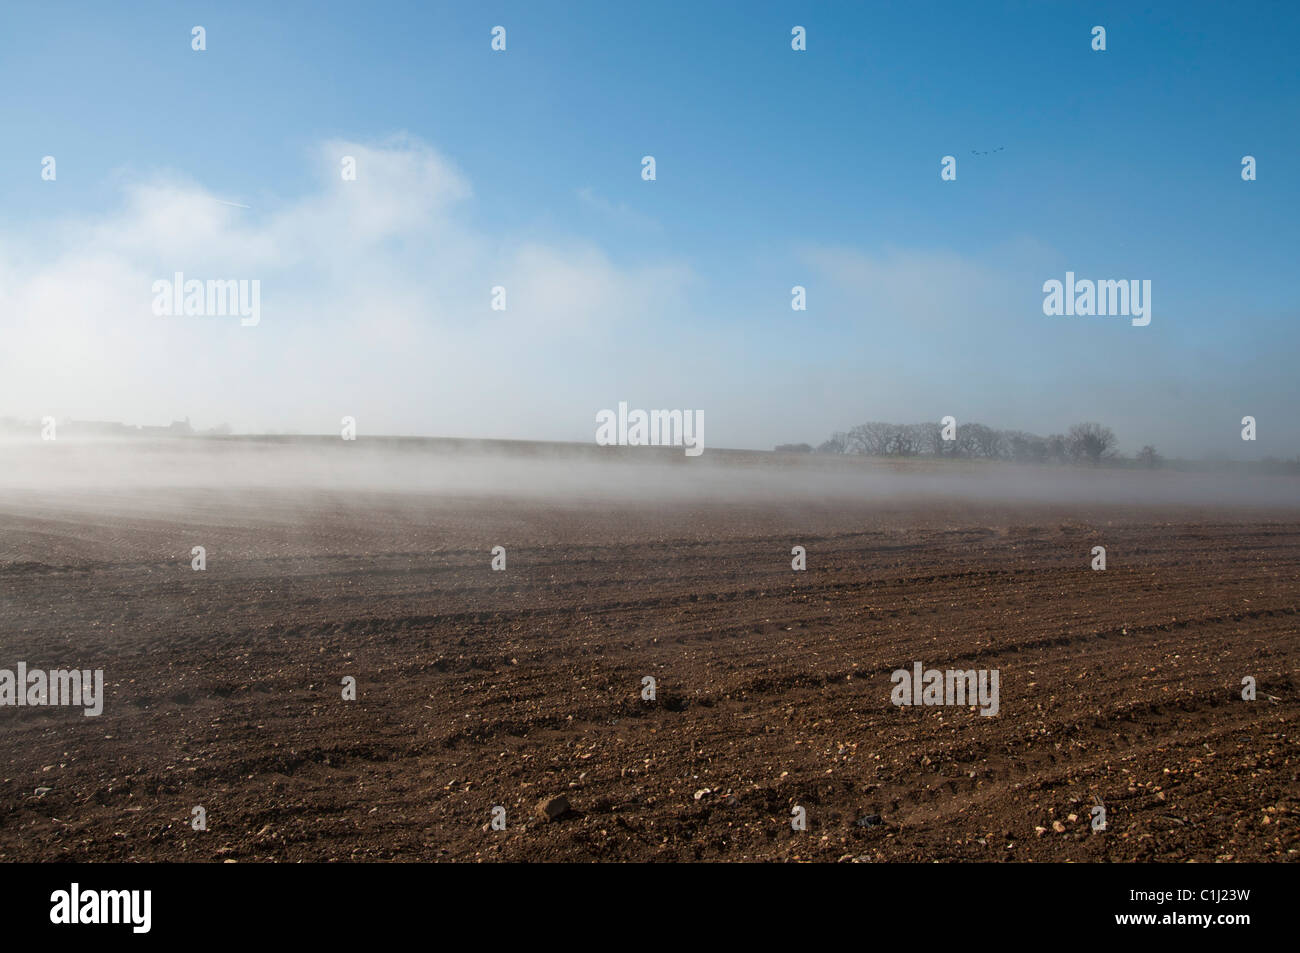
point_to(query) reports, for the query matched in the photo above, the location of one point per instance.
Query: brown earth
(480, 688)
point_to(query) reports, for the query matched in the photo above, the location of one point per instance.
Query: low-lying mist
(68, 469)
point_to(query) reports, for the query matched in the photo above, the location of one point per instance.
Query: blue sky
(775, 168)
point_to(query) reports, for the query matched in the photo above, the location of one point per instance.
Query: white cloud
(375, 301)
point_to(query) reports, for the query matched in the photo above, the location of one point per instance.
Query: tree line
(1082, 443)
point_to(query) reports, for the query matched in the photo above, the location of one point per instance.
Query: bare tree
(929, 438)
(903, 441)
(873, 439)
(839, 443)
(965, 444)
(1091, 441)
(982, 441)
(1148, 457)
(1025, 447)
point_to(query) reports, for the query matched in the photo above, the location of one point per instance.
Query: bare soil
(479, 688)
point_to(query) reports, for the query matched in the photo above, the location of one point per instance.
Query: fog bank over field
(76, 472)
